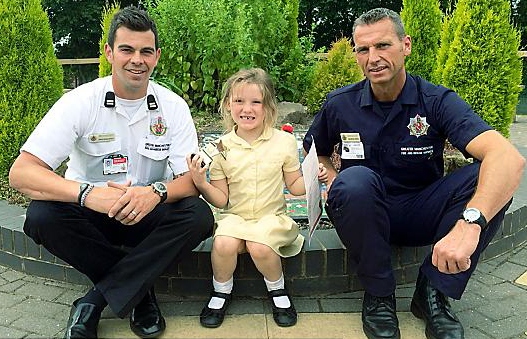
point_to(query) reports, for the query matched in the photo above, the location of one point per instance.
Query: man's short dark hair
(134, 19)
(377, 14)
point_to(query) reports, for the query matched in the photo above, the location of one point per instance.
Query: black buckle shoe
(83, 321)
(146, 320)
(211, 317)
(379, 318)
(430, 304)
(283, 317)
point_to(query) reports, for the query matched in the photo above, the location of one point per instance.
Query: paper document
(313, 194)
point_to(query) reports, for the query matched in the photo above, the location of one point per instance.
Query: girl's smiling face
(247, 110)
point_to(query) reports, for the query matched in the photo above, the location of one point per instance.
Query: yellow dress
(256, 210)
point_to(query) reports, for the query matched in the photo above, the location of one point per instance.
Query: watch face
(471, 214)
(160, 187)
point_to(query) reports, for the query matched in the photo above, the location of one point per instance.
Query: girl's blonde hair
(258, 77)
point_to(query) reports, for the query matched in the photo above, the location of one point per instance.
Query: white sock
(282, 301)
(222, 287)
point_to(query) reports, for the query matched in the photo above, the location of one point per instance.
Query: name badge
(352, 147)
(115, 164)
(101, 137)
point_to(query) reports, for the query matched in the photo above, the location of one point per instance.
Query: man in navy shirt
(390, 130)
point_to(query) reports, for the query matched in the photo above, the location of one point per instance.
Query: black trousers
(368, 220)
(93, 243)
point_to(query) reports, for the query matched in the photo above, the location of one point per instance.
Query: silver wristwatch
(474, 216)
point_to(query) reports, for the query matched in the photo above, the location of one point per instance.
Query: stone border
(320, 269)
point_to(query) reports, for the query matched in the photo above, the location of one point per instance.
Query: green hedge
(422, 22)
(479, 59)
(338, 70)
(30, 75)
(105, 68)
(203, 42)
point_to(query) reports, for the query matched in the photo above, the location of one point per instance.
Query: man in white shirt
(126, 183)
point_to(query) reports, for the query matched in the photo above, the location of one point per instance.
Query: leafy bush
(422, 21)
(105, 68)
(448, 29)
(338, 70)
(204, 42)
(480, 60)
(30, 75)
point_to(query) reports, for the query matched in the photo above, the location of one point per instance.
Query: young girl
(247, 183)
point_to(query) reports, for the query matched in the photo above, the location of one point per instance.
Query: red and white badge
(418, 126)
(115, 164)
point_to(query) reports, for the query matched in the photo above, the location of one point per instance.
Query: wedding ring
(134, 213)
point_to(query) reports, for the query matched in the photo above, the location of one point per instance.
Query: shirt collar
(266, 135)
(108, 87)
(408, 96)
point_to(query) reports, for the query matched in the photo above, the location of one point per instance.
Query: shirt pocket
(416, 165)
(415, 153)
(93, 155)
(152, 160)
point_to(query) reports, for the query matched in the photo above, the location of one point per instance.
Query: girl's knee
(223, 245)
(257, 250)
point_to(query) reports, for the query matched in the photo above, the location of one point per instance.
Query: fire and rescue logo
(418, 126)
(158, 126)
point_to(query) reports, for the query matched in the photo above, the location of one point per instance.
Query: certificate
(313, 194)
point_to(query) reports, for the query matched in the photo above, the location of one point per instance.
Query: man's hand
(134, 204)
(452, 253)
(101, 199)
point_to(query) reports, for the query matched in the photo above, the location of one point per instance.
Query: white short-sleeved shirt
(154, 142)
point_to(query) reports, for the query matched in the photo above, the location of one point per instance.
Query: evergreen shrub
(204, 42)
(105, 68)
(422, 22)
(481, 60)
(30, 75)
(448, 29)
(338, 70)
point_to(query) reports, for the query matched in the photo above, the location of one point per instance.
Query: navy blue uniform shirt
(403, 141)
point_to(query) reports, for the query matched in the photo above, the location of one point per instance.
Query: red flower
(288, 128)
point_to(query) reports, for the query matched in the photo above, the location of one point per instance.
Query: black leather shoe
(211, 317)
(283, 317)
(83, 321)
(430, 304)
(146, 320)
(379, 318)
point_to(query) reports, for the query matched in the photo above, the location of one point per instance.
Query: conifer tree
(105, 68)
(338, 70)
(30, 75)
(479, 59)
(422, 22)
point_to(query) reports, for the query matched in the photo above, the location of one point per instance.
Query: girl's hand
(322, 173)
(196, 170)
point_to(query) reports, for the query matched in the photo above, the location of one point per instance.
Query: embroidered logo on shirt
(418, 126)
(158, 126)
